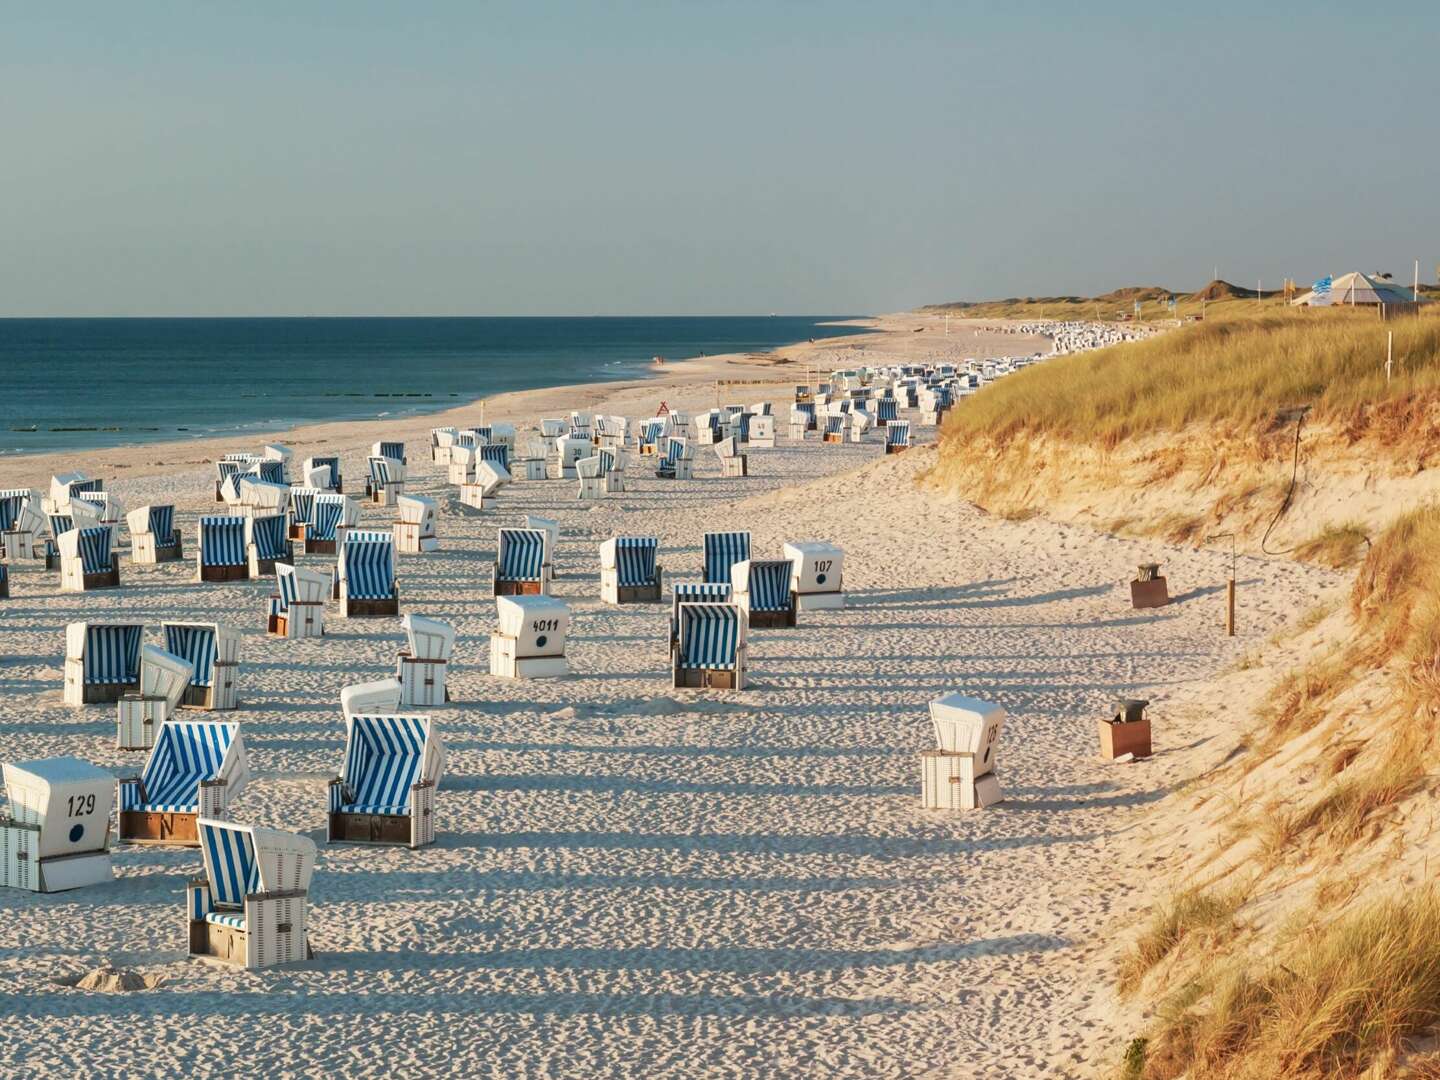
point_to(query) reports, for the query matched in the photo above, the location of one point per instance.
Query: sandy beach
(638, 880)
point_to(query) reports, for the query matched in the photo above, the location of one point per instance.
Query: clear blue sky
(473, 158)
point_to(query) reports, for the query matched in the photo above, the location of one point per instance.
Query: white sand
(742, 885)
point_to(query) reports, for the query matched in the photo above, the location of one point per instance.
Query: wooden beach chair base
(296, 531)
(225, 573)
(889, 449)
(319, 547)
(519, 588)
(369, 609)
(687, 678)
(831, 601)
(1149, 594)
(149, 827)
(370, 829)
(220, 697)
(834, 437)
(772, 620)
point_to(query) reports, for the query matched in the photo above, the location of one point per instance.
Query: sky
(359, 158)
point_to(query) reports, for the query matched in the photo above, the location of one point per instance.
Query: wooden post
(1230, 608)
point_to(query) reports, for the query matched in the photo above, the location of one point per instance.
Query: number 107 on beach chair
(818, 575)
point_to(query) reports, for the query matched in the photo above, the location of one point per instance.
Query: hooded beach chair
(732, 461)
(229, 467)
(897, 436)
(66, 486)
(21, 523)
(213, 649)
(614, 479)
(334, 482)
(652, 432)
(762, 431)
(102, 661)
(582, 424)
(268, 471)
(386, 480)
(366, 576)
(590, 471)
(708, 427)
(297, 607)
(331, 518)
(441, 440)
(385, 793)
(460, 464)
(722, 551)
(859, 422)
(87, 560)
(520, 566)
(267, 541)
(817, 575)
(164, 678)
(629, 573)
(261, 498)
(302, 502)
(415, 529)
(108, 509)
(761, 587)
(251, 909)
(552, 430)
(803, 395)
(220, 554)
(196, 769)
(497, 454)
(693, 592)
(55, 828)
(676, 463)
(551, 528)
(834, 428)
(887, 411)
(959, 774)
(393, 450)
(153, 535)
(569, 449)
(710, 648)
(423, 665)
(802, 420)
(529, 642)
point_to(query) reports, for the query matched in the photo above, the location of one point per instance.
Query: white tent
(1357, 289)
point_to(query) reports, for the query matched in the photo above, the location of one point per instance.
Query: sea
(75, 384)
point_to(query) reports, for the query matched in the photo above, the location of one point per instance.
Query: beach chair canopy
(767, 581)
(158, 521)
(395, 451)
(299, 584)
(302, 502)
(321, 461)
(263, 494)
(429, 639)
(835, 425)
(91, 546)
(241, 860)
(164, 675)
(496, 453)
(384, 470)
(327, 514)
(110, 652)
(379, 698)
(416, 510)
(222, 540)
(11, 504)
(269, 536)
(898, 433)
(368, 565)
(185, 753)
(551, 428)
(709, 635)
(722, 551)
(651, 430)
(385, 756)
(520, 554)
(590, 468)
(203, 644)
(727, 447)
(632, 557)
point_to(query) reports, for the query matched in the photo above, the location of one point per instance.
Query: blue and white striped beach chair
(590, 471)
(733, 462)
(302, 503)
(887, 411)
(652, 431)
(520, 566)
(213, 649)
(220, 554)
(86, 560)
(333, 482)
(195, 769)
(802, 419)
(228, 467)
(834, 428)
(385, 793)
(694, 592)
(102, 661)
(722, 551)
(897, 436)
(761, 588)
(386, 480)
(366, 575)
(675, 463)
(251, 909)
(21, 524)
(629, 573)
(395, 451)
(331, 517)
(269, 470)
(268, 541)
(297, 608)
(495, 453)
(710, 651)
(153, 535)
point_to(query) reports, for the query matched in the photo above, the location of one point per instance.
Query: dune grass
(1235, 374)
(1335, 546)
(1341, 997)
(1187, 914)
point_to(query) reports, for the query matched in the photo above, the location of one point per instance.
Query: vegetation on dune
(1236, 374)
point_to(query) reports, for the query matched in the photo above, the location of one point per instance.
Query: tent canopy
(1357, 288)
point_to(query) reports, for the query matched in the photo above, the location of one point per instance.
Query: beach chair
(959, 774)
(708, 427)
(582, 425)
(385, 793)
(629, 573)
(366, 576)
(65, 486)
(164, 678)
(153, 535)
(423, 665)
(762, 431)
(108, 509)
(267, 471)
(530, 640)
(229, 467)
(551, 528)
(4, 582)
(569, 449)
(55, 829)
(87, 561)
(251, 910)
(834, 428)
(693, 592)
(817, 578)
(887, 411)
(859, 422)
(710, 648)
(503, 434)
(221, 554)
(897, 436)
(331, 519)
(196, 769)
(761, 588)
(552, 430)
(21, 523)
(460, 464)
(386, 480)
(614, 479)
(651, 433)
(490, 473)
(267, 542)
(302, 503)
(722, 551)
(803, 395)
(497, 454)
(802, 420)
(415, 531)
(102, 661)
(392, 449)
(677, 462)
(520, 566)
(213, 649)
(261, 498)
(591, 472)
(333, 482)
(732, 461)
(297, 609)
(441, 440)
